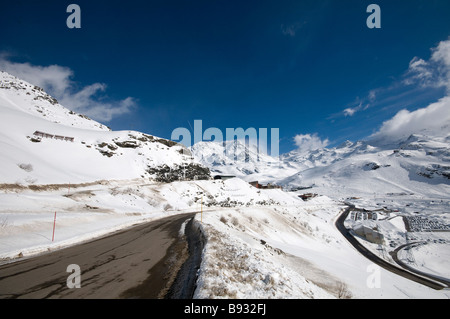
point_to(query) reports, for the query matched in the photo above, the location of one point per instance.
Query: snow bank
(264, 244)
(289, 251)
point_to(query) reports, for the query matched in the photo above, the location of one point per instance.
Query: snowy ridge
(96, 152)
(238, 159)
(17, 94)
(404, 166)
(418, 165)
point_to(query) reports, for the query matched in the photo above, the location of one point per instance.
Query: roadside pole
(54, 225)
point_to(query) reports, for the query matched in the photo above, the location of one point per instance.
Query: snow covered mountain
(43, 142)
(268, 243)
(420, 164)
(235, 158)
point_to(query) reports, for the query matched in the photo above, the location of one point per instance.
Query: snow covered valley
(265, 244)
(66, 179)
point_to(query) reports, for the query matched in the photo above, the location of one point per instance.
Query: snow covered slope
(244, 161)
(420, 165)
(43, 142)
(261, 243)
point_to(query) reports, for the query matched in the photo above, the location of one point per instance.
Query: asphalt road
(140, 262)
(381, 262)
(420, 273)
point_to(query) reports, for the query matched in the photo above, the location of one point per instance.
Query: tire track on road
(111, 266)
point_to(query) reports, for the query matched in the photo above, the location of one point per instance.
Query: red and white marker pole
(54, 225)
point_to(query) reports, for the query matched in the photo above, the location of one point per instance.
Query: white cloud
(433, 118)
(424, 74)
(360, 106)
(432, 73)
(308, 142)
(57, 81)
(53, 78)
(291, 30)
(442, 53)
(350, 111)
(419, 70)
(373, 95)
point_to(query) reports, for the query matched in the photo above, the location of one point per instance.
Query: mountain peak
(345, 144)
(20, 95)
(44, 142)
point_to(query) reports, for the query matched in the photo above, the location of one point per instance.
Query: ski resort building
(57, 137)
(368, 233)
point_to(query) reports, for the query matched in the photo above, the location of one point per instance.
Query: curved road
(140, 262)
(432, 283)
(420, 273)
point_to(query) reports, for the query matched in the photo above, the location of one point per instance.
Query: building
(370, 234)
(255, 184)
(268, 186)
(57, 137)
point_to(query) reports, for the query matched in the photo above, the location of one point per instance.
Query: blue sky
(309, 68)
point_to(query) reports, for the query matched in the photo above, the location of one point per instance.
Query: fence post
(54, 225)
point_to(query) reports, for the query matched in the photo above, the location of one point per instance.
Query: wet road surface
(140, 262)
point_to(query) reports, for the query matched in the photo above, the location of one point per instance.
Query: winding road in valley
(139, 262)
(424, 279)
